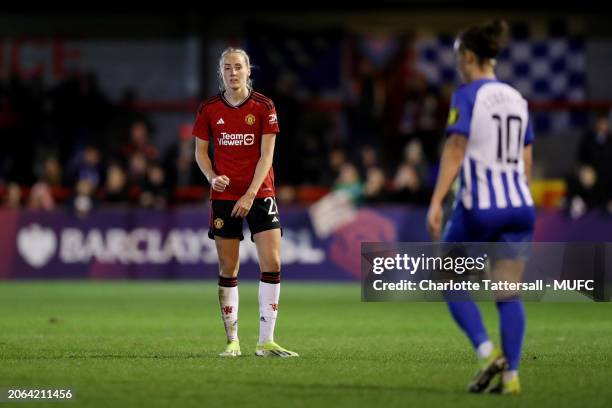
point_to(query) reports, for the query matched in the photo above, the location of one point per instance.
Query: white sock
(268, 309)
(484, 349)
(228, 302)
(509, 375)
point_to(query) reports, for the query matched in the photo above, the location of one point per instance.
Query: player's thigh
(266, 232)
(268, 249)
(222, 223)
(228, 250)
(263, 216)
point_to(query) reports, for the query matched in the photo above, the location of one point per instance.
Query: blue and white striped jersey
(495, 119)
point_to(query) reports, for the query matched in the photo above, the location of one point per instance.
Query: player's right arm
(458, 131)
(218, 183)
(450, 163)
(201, 130)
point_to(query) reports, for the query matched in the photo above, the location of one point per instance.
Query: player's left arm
(452, 156)
(242, 206)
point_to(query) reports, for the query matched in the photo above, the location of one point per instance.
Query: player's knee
(228, 266)
(271, 263)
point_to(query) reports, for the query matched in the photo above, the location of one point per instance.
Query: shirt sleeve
(460, 114)
(529, 133)
(201, 128)
(270, 120)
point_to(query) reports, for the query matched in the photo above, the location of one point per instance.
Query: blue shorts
(492, 225)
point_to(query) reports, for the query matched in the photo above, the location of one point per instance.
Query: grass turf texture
(156, 344)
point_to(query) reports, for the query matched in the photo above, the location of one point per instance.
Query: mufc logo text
(250, 119)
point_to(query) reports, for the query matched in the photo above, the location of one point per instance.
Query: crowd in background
(69, 146)
(381, 145)
(590, 184)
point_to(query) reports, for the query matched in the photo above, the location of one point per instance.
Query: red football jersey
(236, 132)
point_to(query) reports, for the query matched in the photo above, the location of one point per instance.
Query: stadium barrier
(147, 244)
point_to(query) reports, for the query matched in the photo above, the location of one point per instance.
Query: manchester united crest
(218, 223)
(250, 119)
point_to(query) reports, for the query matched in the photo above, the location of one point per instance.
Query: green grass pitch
(155, 344)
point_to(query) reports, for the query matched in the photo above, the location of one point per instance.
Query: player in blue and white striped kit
(489, 149)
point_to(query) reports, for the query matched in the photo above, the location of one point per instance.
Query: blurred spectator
(139, 142)
(349, 182)
(179, 164)
(51, 172)
(337, 160)
(12, 200)
(369, 157)
(410, 184)
(317, 166)
(406, 185)
(590, 186)
(414, 155)
(154, 193)
(40, 197)
(117, 131)
(137, 171)
(83, 201)
(116, 191)
(50, 176)
(374, 189)
(87, 166)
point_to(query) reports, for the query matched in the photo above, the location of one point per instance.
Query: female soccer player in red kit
(243, 126)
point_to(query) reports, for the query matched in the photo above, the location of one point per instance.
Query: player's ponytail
(496, 36)
(486, 41)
